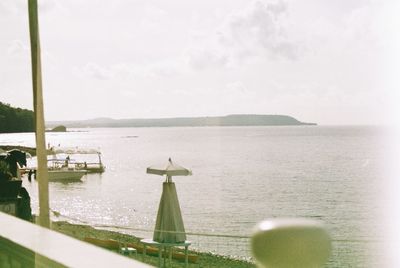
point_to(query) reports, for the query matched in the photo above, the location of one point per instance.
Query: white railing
(23, 244)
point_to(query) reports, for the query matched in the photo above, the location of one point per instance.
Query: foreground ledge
(28, 245)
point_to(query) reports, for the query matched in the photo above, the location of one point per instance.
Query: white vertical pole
(42, 174)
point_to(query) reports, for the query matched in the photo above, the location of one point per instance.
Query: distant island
(229, 120)
(59, 128)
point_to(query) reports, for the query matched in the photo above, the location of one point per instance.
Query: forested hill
(14, 120)
(229, 120)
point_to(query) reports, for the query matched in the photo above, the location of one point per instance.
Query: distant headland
(229, 120)
(21, 120)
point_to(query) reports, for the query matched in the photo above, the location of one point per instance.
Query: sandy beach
(204, 259)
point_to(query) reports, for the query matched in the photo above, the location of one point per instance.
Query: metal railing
(234, 246)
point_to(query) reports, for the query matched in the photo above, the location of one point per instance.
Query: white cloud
(17, 47)
(3, 8)
(256, 31)
(236, 87)
(259, 29)
(13, 7)
(21, 6)
(123, 71)
(200, 58)
(93, 70)
(47, 5)
(152, 17)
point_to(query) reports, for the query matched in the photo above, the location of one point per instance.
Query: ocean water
(241, 175)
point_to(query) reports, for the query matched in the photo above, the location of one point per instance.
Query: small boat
(60, 170)
(85, 159)
(58, 173)
(66, 174)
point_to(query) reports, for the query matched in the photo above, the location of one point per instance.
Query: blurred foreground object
(284, 243)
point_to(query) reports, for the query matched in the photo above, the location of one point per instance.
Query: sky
(329, 62)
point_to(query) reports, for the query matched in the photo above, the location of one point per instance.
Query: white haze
(320, 61)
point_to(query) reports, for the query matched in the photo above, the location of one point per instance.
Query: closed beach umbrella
(169, 224)
(170, 169)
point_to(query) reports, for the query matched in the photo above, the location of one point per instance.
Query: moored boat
(66, 174)
(60, 169)
(88, 160)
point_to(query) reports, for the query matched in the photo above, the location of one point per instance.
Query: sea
(241, 176)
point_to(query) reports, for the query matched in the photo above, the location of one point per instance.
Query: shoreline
(27, 149)
(204, 259)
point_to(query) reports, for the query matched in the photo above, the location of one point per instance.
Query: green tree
(14, 120)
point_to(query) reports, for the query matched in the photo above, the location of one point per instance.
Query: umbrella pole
(42, 175)
(169, 178)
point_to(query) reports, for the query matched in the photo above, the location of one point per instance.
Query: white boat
(60, 170)
(66, 174)
(88, 160)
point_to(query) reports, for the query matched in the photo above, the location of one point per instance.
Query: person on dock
(30, 175)
(66, 161)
